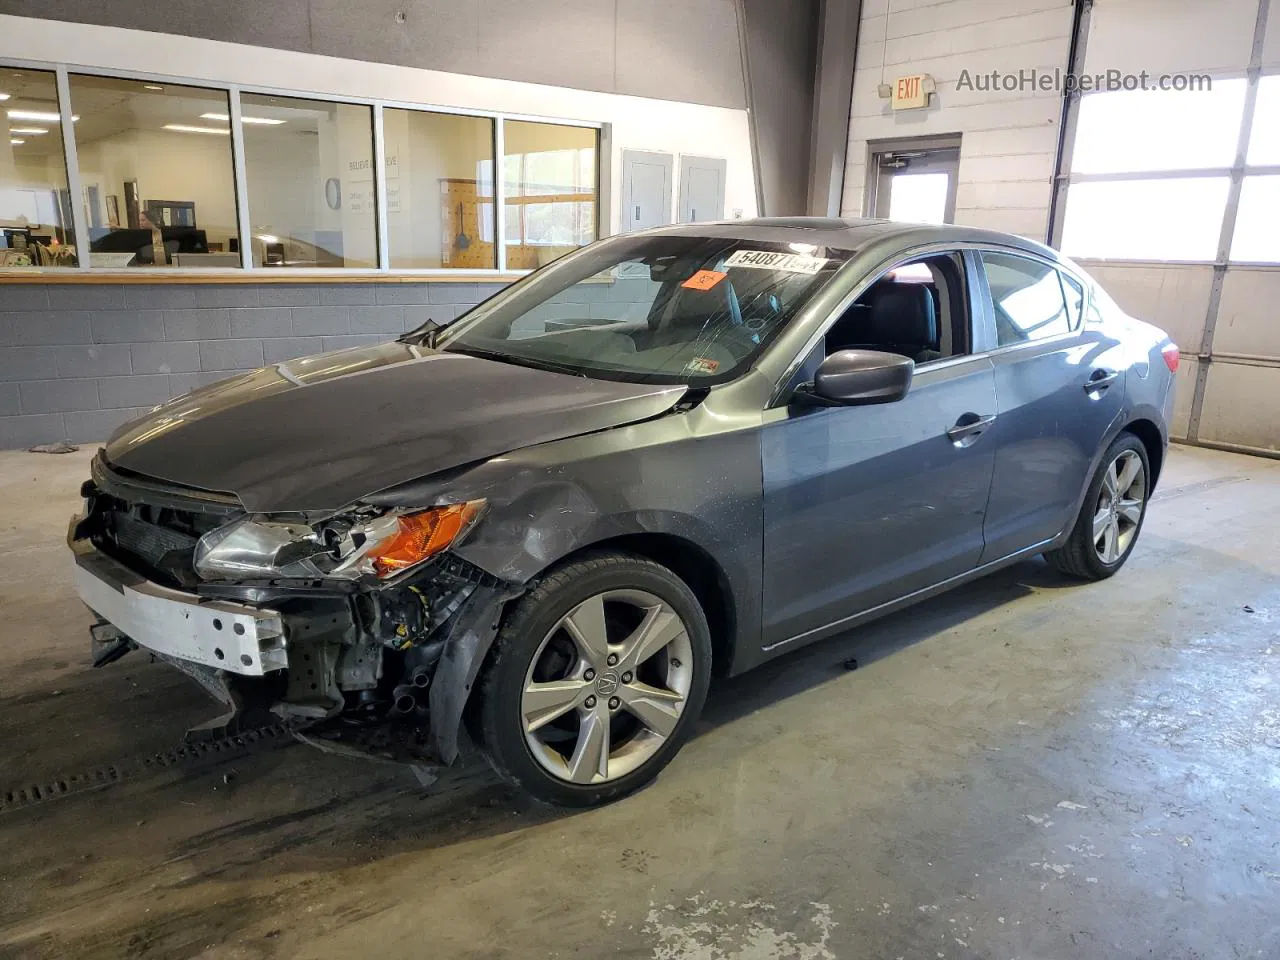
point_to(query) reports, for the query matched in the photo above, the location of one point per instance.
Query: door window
(915, 184)
(917, 309)
(1028, 299)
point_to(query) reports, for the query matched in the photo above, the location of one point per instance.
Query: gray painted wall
(838, 24)
(669, 49)
(780, 41)
(78, 360)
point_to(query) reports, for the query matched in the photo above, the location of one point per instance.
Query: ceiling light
(152, 86)
(4, 96)
(32, 131)
(38, 116)
(16, 142)
(186, 128)
(222, 116)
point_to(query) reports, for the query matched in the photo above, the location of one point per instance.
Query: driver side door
(864, 505)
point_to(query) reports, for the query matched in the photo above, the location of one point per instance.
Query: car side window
(1028, 299)
(918, 308)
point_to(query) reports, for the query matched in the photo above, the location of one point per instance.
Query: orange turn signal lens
(421, 535)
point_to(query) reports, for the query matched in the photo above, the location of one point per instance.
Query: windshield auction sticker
(704, 280)
(786, 262)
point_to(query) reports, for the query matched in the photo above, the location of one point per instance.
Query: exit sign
(912, 92)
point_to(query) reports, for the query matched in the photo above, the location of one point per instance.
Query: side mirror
(861, 377)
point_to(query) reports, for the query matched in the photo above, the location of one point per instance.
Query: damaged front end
(358, 626)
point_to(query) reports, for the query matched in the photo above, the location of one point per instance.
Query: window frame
(974, 279)
(963, 297)
(71, 166)
(84, 268)
(177, 86)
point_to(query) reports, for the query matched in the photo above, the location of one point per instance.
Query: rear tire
(595, 680)
(1111, 515)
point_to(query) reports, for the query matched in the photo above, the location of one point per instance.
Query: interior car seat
(900, 318)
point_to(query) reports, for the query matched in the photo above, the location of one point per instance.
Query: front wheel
(1111, 515)
(595, 680)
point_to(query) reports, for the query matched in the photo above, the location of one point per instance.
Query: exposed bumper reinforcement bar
(214, 633)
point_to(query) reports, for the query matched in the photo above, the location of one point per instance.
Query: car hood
(321, 432)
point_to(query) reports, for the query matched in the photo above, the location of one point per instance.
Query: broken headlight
(346, 547)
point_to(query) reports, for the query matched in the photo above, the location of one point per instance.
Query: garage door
(1172, 190)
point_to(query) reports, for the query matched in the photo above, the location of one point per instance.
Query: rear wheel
(1112, 513)
(595, 680)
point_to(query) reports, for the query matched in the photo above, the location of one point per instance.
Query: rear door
(1060, 386)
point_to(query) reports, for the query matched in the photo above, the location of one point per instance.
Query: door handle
(1099, 380)
(968, 428)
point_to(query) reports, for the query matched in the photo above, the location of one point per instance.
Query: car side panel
(691, 476)
(867, 504)
(1048, 432)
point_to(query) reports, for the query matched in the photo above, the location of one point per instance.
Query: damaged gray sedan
(540, 529)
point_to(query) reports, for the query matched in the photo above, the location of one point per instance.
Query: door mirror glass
(862, 377)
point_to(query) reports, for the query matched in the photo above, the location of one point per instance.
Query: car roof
(851, 233)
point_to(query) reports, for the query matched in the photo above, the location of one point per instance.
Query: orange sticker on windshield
(702, 365)
(704, 280)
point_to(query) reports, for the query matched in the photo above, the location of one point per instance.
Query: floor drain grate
(183, 756)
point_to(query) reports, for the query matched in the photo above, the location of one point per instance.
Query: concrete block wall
(78, 360)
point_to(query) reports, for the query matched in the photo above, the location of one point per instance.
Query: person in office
(153, 253)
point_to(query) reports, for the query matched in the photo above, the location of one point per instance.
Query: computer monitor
(121, 241)
(16, 238)
(190, 240)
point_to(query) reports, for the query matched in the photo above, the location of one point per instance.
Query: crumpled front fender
(471, 634)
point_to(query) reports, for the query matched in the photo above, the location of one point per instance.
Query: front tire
(595, 680)
(1111, 516)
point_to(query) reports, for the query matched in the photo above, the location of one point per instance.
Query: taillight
(1171, 356)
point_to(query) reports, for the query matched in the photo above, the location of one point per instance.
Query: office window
(550, 191)
(1170, 219)
(1028, 299)
(309, 166)
(1146, 130)
(35, 204)
(1256, 239)
(439, 190)
(157, 174)
(1264, 139)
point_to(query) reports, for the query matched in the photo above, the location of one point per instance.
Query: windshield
(659, 309)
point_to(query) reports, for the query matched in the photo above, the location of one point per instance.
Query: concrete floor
(1025, 769)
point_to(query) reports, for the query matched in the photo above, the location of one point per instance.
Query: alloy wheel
(607, 686)
(1119, 509)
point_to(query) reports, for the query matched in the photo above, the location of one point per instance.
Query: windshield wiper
(426, 335)
(536, 363)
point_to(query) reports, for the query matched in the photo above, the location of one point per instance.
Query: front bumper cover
(197, 634)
